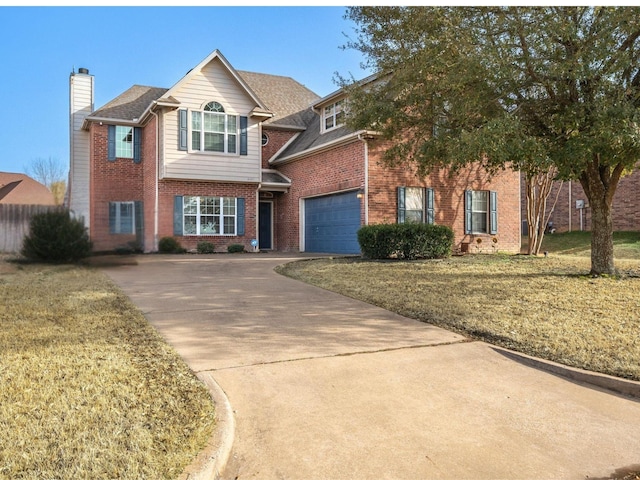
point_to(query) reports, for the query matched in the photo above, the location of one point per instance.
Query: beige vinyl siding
(81, 105)
(213, 83)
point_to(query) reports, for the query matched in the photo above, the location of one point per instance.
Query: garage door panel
(332, 223)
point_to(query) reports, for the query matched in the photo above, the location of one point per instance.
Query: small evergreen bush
(56, 237)
(170, 245)
(235, 248)
(206, 247)
(405, 240)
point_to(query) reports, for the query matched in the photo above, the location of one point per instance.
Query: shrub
(235, 248)
(206, 247)
(405, 240)
(56, 237)
(170, 245)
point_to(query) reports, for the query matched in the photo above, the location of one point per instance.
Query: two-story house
(227, 156)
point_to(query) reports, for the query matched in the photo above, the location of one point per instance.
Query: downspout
(366, 178)
(156, 200)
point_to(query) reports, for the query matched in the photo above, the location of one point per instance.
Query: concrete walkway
(326, 387)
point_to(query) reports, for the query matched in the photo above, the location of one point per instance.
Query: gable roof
(212, 56)
(282, 98)
(20, 189)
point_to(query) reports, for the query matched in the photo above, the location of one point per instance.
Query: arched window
(212, 130)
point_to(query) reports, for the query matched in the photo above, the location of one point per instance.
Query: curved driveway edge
(327, 387)
(211, 462)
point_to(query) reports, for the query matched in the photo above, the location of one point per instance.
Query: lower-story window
(122, 217)
(209, 215)
(481, 212)
(415, 205)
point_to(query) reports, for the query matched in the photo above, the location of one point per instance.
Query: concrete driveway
(326, 387)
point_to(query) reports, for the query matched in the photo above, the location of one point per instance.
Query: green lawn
(626, 245)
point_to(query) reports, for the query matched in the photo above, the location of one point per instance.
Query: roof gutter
(113, 121)
(352, 137)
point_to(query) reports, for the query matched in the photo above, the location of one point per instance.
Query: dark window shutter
(177, 215)
(138, 213)
(137, 138)
(493, 212)
(111, 142)
(243, 135)
(182, 129)
(468, 204)
(401, 205)
(112, 217)
(240, 216)
(430, 212)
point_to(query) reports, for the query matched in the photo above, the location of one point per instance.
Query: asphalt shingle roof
(131, 104)
(283, 96)
(287, 99)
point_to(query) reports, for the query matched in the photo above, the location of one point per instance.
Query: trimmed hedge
(235, 248)
(405, 241)
(56, 237)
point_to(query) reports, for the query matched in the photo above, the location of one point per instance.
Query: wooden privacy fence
(14, 224)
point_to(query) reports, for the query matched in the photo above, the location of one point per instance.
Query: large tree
(529, 88)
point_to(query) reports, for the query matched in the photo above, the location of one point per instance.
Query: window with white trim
(124, 142)
(209, 215)
(212, 130)
(333, 116)
(122, 217)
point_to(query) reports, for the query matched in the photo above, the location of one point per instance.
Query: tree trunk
(538, 188)
(601, 238)
(599, 183)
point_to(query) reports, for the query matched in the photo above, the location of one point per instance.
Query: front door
(265, 228)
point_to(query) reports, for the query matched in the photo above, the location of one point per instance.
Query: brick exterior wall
(566, 217)
(336, 170)
(111, 181)
(168, 189)
(449, 200)
(149, 168)
(343, 169)
(277, 139)
(123, 180)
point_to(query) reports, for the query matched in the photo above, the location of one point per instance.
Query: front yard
(89, 389)
(545, 307)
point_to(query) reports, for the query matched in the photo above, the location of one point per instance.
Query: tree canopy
(511, 87)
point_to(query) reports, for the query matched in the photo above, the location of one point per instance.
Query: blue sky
(155, 46)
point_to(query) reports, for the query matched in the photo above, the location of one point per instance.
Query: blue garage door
(332, 223)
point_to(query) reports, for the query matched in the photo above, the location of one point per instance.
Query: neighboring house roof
(20, 189)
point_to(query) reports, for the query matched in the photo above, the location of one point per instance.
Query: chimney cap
(83, 70)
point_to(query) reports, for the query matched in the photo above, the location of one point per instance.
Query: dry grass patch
(89, 389)
(546, 307)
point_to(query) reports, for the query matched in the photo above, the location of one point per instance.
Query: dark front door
(265, 226)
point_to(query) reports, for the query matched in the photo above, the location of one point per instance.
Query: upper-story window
(212, 130)
(333, 115)
(124, 142)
